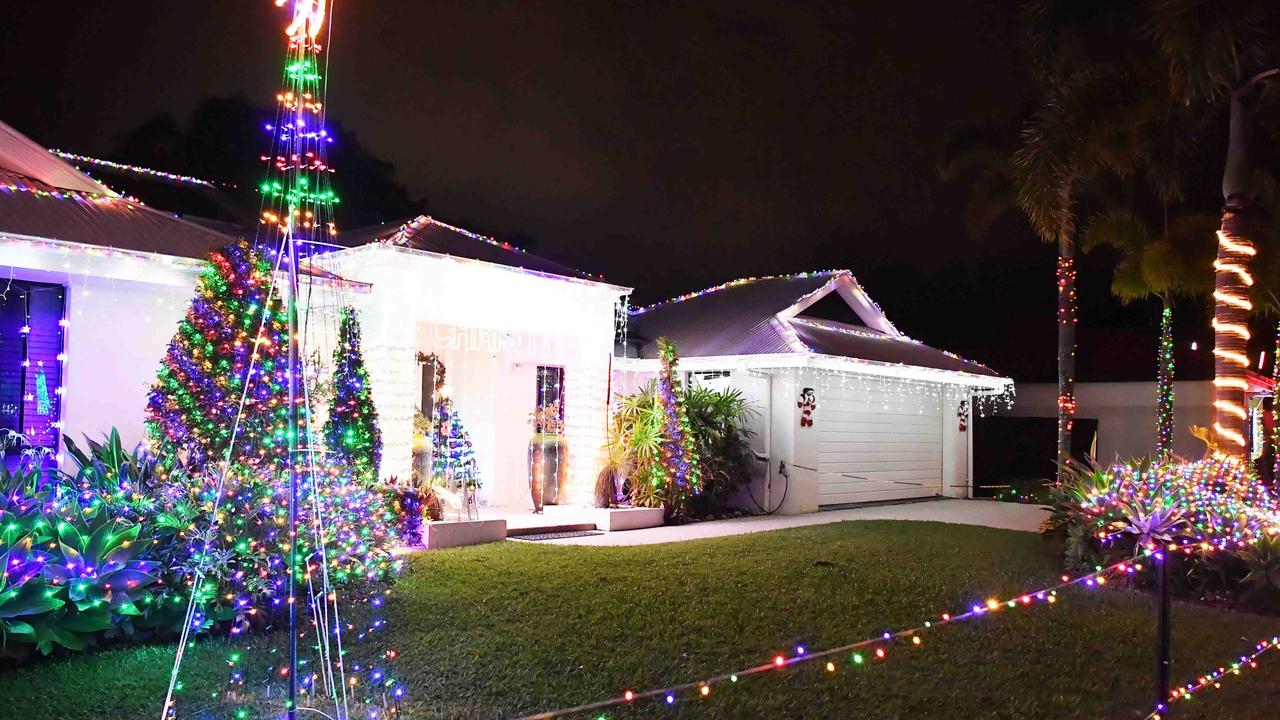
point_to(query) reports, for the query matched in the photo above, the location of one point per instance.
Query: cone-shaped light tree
(225, 373)
(677, 470)
(351, 433)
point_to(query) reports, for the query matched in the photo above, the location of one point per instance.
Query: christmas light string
(135, 169)
(732, 284)
(878, 645)
(1213, 679)
(1230, 338)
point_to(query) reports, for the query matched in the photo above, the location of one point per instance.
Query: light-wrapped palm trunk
(1231, 273)
(1164, 384)
(1066, 352)
(1231, 332)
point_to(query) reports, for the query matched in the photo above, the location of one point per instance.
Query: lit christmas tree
(678, 470)
(352, 433)
(230, 349)
(454, 460)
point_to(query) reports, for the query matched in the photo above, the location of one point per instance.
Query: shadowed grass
(504, 629)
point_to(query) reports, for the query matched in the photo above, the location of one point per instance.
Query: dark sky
(668, 145)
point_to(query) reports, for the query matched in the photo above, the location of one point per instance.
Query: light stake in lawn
(1048, 595)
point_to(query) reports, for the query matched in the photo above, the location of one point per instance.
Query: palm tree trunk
(1164, 382)
(1066, 351)
(1240, 224)
(1275, 411)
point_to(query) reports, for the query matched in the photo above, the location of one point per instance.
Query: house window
(30, 366)
(549, 400)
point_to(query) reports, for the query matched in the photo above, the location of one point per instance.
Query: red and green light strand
(351, 432)
(1164, 386)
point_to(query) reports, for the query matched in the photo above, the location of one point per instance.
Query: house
(95, 283)
(851, 410)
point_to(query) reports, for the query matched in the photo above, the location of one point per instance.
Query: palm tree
(1217, 52)
(1167, 266)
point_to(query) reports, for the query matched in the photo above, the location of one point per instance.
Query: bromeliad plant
(1212, 513)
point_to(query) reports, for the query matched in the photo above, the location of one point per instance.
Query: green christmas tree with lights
(225, 373)
(351, 432)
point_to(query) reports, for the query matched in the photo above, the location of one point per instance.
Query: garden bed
(502, 629)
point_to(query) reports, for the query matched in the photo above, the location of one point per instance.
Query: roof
(431, 235)
(764, 316)
(35, 209)
(43, 196)
(19, 154)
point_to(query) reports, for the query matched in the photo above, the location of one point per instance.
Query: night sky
(666, 145)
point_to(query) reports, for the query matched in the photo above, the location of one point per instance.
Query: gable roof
(763, 316)
(431, 235)
(41, 196)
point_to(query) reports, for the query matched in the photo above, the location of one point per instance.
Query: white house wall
(121, 314)
(1126, 414)
(492, 326)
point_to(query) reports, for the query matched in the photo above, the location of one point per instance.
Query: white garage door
(875, 446)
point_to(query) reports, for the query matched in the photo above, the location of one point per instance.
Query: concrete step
(550, 527)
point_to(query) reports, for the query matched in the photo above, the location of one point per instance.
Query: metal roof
(765, 316)
(428, 234)
(21, 155)
(35, 209)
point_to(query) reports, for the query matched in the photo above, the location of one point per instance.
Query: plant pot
(548, 469)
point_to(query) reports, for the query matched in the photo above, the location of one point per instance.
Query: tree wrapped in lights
(226, 371)
(677, 472)
(351, 432)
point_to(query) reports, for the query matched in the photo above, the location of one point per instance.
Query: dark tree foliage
(223, 139)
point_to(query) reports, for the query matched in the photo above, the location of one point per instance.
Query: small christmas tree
(226, 371)
(677, 471)
(454, 458)
(351, 432)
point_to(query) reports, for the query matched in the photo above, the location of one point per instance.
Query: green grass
(503, 629)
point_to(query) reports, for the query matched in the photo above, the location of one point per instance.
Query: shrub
(110, 552)
(1213, 511)
(717, 420)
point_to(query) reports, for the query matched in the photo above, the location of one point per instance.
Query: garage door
(874, 445)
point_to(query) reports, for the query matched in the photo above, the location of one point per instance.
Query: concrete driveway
(988, 513)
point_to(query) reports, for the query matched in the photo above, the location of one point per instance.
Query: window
(549, 400)
(30, 365)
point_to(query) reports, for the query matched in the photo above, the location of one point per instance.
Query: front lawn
(511, 628)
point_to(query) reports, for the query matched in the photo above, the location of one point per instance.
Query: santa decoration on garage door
(962, 413)
(808, 403)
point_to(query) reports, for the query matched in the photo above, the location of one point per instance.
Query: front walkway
(1008, 516)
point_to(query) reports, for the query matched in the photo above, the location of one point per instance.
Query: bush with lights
(1213, 515)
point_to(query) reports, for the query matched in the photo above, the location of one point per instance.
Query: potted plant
(548, 456)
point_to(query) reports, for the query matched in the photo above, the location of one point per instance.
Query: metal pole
(292, 434)
(1164, 643)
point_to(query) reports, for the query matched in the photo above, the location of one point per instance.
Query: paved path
(1009, 516)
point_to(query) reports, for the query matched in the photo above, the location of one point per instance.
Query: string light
(877, 645)
(134, 169)
(1164, 385)
(1230, 338)
(1214, 678)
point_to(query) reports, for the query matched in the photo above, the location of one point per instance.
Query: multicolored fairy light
(677, 469)
(133, 169)
(1214, 678)
(220, 392)
(877, 647)
(1066, 276)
